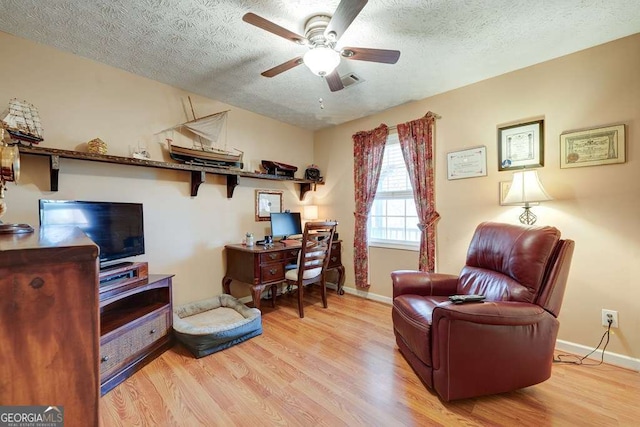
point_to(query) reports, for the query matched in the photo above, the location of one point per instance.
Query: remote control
(459, 299)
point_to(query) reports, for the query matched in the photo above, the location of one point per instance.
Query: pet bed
(214, 324)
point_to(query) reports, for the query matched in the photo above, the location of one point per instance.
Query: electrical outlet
(609, 314)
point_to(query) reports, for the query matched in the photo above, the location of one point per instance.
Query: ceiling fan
(321, 34)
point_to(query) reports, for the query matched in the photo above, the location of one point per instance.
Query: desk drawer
(117, 352)
(335, 259)
(271, 257)
(272, 273)
(291, 256)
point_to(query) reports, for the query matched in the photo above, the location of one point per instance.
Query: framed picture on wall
(468, 163)
(521, 146)
(267, 202)
(592, 147)
(504, 188)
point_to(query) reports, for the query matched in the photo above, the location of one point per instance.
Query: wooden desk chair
(313, 260)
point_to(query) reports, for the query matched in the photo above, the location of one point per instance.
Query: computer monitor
(285, 224)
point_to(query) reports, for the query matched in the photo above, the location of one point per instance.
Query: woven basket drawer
(117, 351)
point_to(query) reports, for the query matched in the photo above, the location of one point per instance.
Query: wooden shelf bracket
(197, 178)
(54, 171)
(305, 187)
(232, 182)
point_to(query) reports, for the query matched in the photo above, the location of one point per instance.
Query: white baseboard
(368, 295)
(578, 349)
(610, 358)
(573, 348)
(352, 291)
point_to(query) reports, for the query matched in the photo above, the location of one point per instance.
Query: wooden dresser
(49, 322)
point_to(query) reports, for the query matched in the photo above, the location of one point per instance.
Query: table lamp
(310, 212)
(526, 189)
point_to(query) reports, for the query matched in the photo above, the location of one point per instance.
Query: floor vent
(351, 79)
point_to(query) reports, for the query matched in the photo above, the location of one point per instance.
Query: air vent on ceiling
(351, 79)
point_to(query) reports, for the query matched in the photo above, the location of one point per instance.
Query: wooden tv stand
(136, 321)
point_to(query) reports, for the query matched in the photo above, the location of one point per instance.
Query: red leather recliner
(502, 344)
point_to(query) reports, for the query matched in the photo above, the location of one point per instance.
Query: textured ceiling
(203, 46)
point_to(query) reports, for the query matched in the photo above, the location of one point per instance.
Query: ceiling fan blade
(283, 67)
(343, 17)
(334, 81)
(374, 55)
(276, 29)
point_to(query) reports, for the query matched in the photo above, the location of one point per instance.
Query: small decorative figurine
(312, 173)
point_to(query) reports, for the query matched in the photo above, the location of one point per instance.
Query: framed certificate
(591, 147)
(521, 146)
(467, 163)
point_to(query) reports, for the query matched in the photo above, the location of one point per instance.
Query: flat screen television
(117, 228)
(285, 224)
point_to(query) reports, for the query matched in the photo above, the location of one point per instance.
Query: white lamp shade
(310, 212)
(321, 60)
(526, 188)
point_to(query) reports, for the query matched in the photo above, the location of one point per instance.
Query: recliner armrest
(491, 313)
(423, 283)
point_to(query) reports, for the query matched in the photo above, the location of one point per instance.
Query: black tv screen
(285, 224)
(117, 228)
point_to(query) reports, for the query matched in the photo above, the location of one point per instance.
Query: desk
(261, 267)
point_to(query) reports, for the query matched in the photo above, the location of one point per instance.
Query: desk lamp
(310, 212)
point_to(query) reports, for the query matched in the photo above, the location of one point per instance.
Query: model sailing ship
(22, 121)
(207, 149)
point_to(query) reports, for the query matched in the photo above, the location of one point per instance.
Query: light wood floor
(340, 367)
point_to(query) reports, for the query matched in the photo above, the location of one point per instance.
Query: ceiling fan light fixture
(321, 60)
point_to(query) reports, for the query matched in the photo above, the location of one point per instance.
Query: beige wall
(80, 100)
(596, 206)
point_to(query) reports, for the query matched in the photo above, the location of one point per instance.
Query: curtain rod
(436, 116)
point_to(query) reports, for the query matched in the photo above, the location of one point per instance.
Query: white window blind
(393, 220)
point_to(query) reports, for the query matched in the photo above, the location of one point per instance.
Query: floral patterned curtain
(368, 148)
(416, 141)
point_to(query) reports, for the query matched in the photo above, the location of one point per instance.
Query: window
(393, 221)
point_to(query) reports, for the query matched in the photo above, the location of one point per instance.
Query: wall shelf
(198, 173)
